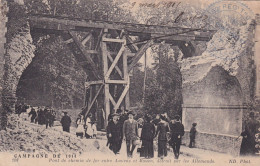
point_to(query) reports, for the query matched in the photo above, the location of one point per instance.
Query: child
(192, 135)
(94, 128)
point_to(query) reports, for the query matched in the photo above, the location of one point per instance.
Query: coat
(115, 131)
(163, 128)
(193, 132)
(177, 131)
(130, 130)
(65, 121)
(148, 132)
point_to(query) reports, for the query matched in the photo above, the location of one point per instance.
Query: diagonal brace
(84, 52)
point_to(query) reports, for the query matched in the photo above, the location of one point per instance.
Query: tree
(164, 87)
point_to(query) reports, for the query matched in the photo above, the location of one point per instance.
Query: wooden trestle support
(111, 54)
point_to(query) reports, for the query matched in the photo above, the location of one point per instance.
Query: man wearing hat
(177, 131)
(130, 133)
(65, 122)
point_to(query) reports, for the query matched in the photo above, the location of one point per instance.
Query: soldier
(65, 122)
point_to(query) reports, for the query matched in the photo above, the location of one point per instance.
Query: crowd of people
(41, 115)
(122, 126)
(141, 133)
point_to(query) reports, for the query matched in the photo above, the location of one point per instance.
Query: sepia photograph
(129, 82)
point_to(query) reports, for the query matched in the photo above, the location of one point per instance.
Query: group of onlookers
(85, 126)
(38, 115)
(123, 126)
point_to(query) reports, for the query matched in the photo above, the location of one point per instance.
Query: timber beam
(65, 24)
(85, 53)
(139, 54)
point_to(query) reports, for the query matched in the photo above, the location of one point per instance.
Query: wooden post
(126, 78)
(106, 86)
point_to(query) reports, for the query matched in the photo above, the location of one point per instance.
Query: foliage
(62, 78)
(163, 89)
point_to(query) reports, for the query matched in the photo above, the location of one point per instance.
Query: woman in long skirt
(114, 134)
(147, 135)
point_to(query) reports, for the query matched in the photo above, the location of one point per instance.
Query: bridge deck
(153, 31)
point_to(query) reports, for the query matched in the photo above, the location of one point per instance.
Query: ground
(23, 137)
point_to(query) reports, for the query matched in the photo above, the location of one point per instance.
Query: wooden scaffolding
(113, 53)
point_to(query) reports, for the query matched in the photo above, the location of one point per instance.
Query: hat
(147, 118)
(118, 111)
(115, 114)
(177, 117)
(130, 112)
(252, 114)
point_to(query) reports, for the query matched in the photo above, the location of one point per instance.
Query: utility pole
(144, 76)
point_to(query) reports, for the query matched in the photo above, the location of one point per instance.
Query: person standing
(147, 136)
(177, 131)
(192, 135)
(89, 130)
(121, 121)
(80, 126)
(114, 134)
(65, 122)
(48, 118)
(130, 133)
(162, 129)
(33, 113)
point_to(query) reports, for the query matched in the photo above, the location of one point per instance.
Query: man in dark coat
(147, 135)
(177, 131)
(65, 122)
(40, 116)
(33, 113)
(130, 133)
(114, 134)
(48, 118)
(121, 121)
(192, 135)
(248, 141)
(162, 129)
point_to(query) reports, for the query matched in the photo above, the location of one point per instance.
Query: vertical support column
(257, 56)
(126, 78)
(106, 87)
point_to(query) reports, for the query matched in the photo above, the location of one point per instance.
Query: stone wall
(215, 142)
(3, 29)
(218, 87)
(222, 120)
(19, 51)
